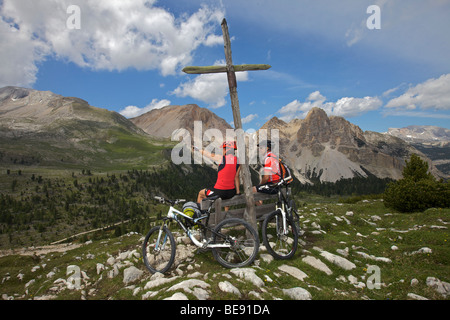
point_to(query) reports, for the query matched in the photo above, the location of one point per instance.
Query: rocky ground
(345, 254)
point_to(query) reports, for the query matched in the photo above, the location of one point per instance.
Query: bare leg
(257, 203)
(201, 195)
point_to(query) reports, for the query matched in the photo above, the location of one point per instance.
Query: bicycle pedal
(206, 243)
(202, 250)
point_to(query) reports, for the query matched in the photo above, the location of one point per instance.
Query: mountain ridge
(431, 140)
(329, 148)
(41, 127)
(165, 122)
(422, 134)
(44, 128)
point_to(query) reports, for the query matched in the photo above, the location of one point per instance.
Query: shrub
(418, 190)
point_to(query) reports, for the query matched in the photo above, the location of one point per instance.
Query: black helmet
(266, 143)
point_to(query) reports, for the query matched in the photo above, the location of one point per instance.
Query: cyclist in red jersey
(271, 171)
(227, 183)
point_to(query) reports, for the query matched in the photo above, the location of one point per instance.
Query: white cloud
(114, 35)
(355, 34)
(249, 118)
(213, 40)
(432, 94)
(210, 88)
(389, 92)
(133, 111)
(19, 54)
(345, 107)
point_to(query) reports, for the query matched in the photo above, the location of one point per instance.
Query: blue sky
(127, 56)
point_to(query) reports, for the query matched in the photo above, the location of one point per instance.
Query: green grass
(378, 240)
(365, 233)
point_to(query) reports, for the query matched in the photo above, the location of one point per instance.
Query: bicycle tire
(280, 246)
(159, 260)
(244, 243)
(293, 214)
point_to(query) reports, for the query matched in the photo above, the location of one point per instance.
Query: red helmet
(229, 145)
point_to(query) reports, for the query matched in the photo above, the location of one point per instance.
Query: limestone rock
(297, 293)
(440, 286)
(131, 274)
(337, 260)
(293, 271)
(318, 264)
(249, 275)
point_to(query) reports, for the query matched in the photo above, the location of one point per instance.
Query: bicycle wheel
(279, 244)
(158, 250)
(293, 214)
(242, 243)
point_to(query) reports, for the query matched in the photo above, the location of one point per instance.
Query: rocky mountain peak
(318, 128)
(330, 148)
(13, 93)
(274, 123)
(315, 128)
(164, 122)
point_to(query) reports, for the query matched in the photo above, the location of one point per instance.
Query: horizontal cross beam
(219, 69)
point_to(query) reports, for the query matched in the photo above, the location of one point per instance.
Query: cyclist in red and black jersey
(227, 183)
(270, 173)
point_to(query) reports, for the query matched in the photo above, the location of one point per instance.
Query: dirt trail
(56, 246)
(40, 250)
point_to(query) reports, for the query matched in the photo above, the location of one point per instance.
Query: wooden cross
(230, 69)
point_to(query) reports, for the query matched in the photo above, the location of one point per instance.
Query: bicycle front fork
(159, 245)
(283, 222)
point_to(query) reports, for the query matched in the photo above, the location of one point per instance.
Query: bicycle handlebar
(277, 184)
(172, 202)
(285, 180)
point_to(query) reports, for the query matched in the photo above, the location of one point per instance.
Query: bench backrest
(237, 200)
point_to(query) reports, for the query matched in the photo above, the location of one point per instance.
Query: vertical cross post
(230, 69)
(250, 212)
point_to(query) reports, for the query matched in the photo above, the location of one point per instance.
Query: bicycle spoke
(241, 240)
(280, 240)
(158, 250)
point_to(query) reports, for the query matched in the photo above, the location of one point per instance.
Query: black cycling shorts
(223, 194)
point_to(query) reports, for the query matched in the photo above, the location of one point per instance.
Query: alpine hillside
(46, 129)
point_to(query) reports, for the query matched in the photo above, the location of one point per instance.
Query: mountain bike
(233, 242)
(281, 228)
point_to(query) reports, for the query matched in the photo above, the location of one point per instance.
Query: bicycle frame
(283, 201)
(174, 214)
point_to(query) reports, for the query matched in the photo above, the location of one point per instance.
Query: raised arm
(217, 158)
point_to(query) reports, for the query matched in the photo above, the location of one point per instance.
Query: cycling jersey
(227, 172)
(272, 167)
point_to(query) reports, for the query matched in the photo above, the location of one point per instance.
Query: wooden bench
(218, 214)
